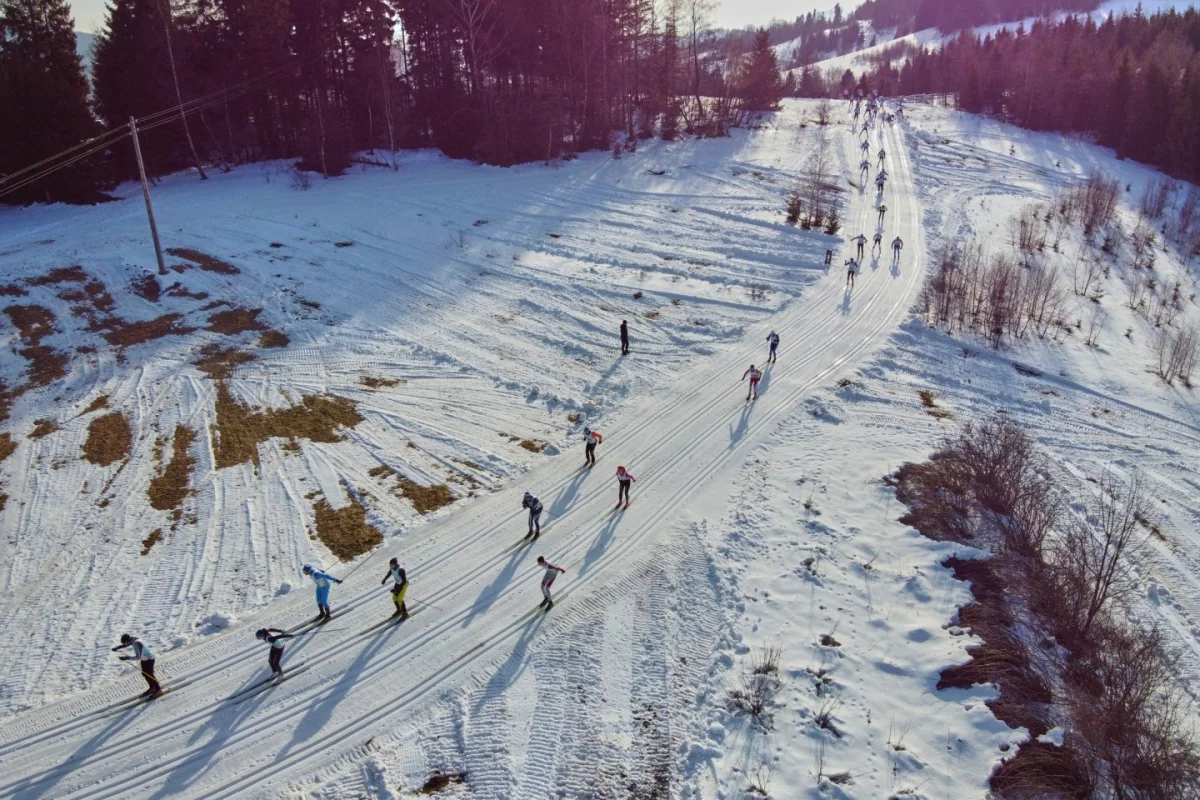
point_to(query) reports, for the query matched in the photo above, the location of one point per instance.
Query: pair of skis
(387, 623)
(257, 688)
(138, 700)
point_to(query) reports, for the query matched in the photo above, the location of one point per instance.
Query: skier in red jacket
(547, 580)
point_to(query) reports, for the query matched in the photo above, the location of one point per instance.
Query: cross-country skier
(879, 181)
(547, 581)
(882, 156)
(882, 211)
(273, 637)
(624, 337)
(865, 166)
(591, 438)
(878, 245)
(865, 146)
(851, 269)
(897, 246)
(399, 586)
(861, 241)
(322, 580)
(535, 514)
(755, 375)
(145, 657)
(624, 480)
(773, 344)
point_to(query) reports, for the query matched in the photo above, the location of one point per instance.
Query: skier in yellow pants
(399, 587)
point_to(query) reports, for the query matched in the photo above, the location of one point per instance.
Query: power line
(105, 140)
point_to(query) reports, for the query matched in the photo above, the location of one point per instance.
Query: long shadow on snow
(566, 497)
(37, 787)
(223, 722)
(602, 541)
(492, 591)
(320, 712)
(508, 672)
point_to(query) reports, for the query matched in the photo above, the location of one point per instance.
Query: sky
(89, 14)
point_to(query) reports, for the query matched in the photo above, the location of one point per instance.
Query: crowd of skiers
(871, 110)
(275, 637)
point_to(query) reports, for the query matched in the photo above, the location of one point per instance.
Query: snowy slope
(488, 298)
(469, 654)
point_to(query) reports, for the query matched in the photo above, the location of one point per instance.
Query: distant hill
(85, 43)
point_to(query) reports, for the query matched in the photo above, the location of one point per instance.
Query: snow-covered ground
(930, 38)
(752, 525)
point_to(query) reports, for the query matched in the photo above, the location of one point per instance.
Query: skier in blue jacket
(322, 580)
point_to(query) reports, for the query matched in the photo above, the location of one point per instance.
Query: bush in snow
(758, 683)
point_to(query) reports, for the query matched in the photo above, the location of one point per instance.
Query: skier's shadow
(895, 270)
(39, 786)
(508, 672)
(874, 263)
(736, 434)
(566, 497)
(845, 309)
(320, 712)
(224, 722)
(492, 591)
(602, 541)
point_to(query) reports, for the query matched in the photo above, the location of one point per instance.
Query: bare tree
(699, 14)
(1097, 555)
(824, 111)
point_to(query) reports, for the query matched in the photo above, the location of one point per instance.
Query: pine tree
(1113, 133)
(43, 97)
(132, 78)
(761, 86)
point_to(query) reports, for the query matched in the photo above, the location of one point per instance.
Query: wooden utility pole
(187, 132)
(137, 151)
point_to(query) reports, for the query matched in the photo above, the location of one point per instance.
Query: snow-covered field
(752, 525)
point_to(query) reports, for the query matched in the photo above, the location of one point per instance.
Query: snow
(931, 38)
(752, 525)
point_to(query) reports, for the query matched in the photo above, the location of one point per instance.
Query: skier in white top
(547, 581)
(145, 657)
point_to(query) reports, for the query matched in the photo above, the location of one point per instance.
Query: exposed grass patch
(9, 290)
(123, 333)
(109, 439)
(273, 338)
(46, 365)
(240, 429)
(203, 260)
(534, 446)
(7, 445)
(345, 531)
(34, 323)
(59, 275)
(97, 404)
(219, 364)
(168, 490)
(147, 288)
(101, 299)
(154, 538)
(236, 320)
(437, 783)
(380, 383)
(177, 290)
(931, 406)
(652, 314)
(42, 428)
(423, 498)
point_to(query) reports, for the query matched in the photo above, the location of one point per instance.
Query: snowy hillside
(386, 361)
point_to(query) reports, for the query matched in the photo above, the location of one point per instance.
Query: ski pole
(422, 602)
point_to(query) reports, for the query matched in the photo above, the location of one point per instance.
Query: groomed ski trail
(202, 744)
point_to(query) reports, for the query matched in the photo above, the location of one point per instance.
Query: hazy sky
(89, 14)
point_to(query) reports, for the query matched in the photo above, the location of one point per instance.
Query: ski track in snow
(479, 658)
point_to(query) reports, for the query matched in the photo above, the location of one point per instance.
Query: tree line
(499, 81)
(950, 16)
(1132, 82)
